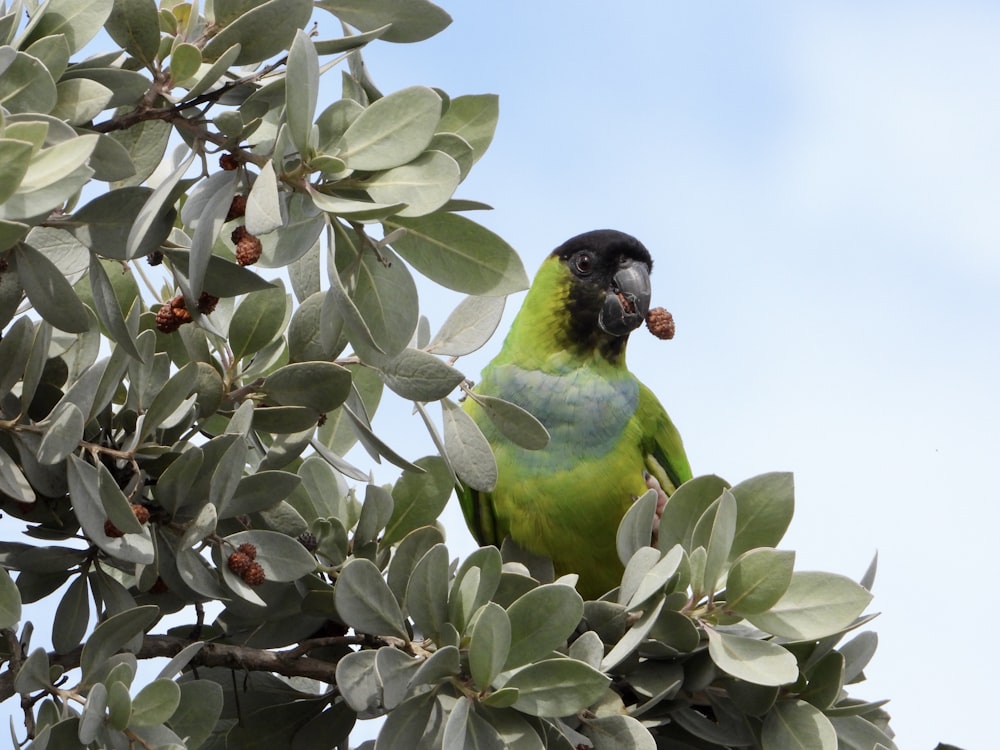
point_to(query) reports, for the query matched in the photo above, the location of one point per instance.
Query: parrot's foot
(661, 503)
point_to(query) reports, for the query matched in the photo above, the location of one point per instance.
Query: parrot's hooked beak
(626, 301)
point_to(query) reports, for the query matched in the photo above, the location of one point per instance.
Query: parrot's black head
(609, 288)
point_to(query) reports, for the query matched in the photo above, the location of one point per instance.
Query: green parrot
(610, 439)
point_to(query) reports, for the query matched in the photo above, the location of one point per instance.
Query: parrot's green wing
(477, 507)
(665, 456)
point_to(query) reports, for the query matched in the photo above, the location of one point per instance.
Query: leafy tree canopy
(174, 421)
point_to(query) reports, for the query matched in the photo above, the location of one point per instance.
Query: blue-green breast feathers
(585, 414)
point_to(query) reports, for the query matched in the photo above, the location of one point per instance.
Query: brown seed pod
(237, 208)
(253, 575)
(660, 323)
(166, 320)
(239, 562)
(248, 247)
(111, 530)
(229, 162)
(207, 303)
(250, 550)
(141, 512)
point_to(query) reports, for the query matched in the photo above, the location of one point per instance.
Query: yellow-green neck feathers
(556, 331)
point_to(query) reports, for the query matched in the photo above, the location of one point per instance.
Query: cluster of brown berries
(174, 313)
(248, 247)
(660, 323)
(229, 162)
(243, 563)
(141, 513)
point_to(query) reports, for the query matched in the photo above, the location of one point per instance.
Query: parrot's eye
(583, 263)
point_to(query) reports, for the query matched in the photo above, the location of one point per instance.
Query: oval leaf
(753, 660)
(427, 591)
(720, 541)
(469, 326)
(135, 27)
(155, 703)
(321, 385)
(263, 30)
(111, 635)
(365, 601)
(424, 184)
(418, 497)
(540, 621)
(419, 376)
(815, 605)
(557, 687)
(796, 725)
(468, 450)
(72, 616)
(300, 106)
(618, 733)
(258, 320)
(49, 291)
(62, 434)
(392, 131)
(758, 579)
(514, 423)
(765, 505)
(459, 254)
(636, 528)
(10, 601)
(489, 644)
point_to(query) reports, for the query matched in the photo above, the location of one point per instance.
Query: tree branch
(291, 663)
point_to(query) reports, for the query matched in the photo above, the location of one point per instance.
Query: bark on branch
(294, 662)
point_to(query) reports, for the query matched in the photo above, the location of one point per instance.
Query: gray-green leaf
(321, 385)
(796, 725)
(758, 579)
(468, 450)
(365, 601)
(751, 659)
(416, 375)
(489, 643)
(815, 605)
(392, 131)
(10, 601)
(109, 637)
(469, 326)
(459, 254)
(557, 687)
(155, 703)
(49, 291)
(541, 620)
(515, 423)
(303, 70)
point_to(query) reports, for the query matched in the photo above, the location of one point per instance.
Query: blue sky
(818, 186)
